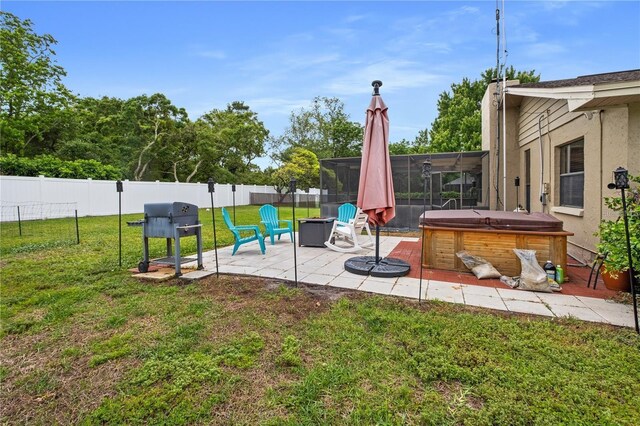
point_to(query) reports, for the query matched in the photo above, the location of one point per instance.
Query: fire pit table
(314, 231)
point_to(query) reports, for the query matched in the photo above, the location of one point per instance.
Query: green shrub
(612, 233)
(50, 166)
(450, 194)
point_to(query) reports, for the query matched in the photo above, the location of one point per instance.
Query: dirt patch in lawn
(48, 376)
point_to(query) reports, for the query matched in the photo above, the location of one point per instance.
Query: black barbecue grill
(170, 221)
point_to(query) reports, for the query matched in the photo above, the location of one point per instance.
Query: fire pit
(170, 221)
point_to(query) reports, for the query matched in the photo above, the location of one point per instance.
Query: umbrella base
(386, 267)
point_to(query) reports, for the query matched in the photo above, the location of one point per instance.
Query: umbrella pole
(377, 244)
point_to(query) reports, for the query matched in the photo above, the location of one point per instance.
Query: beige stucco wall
(496, 176)
(611, 139)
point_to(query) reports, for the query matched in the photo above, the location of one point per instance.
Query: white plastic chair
(351, 234)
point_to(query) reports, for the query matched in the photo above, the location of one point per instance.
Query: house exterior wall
(611, 139)
(489, 141)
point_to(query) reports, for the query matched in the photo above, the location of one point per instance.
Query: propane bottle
(550, 269)
(559, 274)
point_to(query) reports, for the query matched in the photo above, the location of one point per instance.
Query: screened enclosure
(452, 180)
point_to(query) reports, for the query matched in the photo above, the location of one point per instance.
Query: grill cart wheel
(143, 266)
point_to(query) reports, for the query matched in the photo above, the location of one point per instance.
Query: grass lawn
(84, 342)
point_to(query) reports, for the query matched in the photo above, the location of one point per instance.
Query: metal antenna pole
(211, 188)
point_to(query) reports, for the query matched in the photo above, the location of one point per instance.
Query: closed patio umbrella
(375, 190)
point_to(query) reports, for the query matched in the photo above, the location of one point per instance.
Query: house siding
(611, 139)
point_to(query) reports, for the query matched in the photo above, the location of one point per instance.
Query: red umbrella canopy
(375, 190)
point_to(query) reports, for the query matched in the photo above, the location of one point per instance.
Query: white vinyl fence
(99, 197)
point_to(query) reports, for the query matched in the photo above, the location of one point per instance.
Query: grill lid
(176, 209)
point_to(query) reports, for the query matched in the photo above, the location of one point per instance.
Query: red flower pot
(619, 283)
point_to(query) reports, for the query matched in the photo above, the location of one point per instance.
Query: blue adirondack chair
(346, 212)
(269, 218)
(237, 231)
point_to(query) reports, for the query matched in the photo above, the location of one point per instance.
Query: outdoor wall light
(426, 169)
(620, 179)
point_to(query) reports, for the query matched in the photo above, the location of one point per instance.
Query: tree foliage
(50, 166)
(458, 124)
(229, 141)
(324, 129)
(34, 112)
(301, 164)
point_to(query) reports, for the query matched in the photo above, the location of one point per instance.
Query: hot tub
(492, 235)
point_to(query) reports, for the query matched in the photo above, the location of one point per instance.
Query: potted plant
(613, 241)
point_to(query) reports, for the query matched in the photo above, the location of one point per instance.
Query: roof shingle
(588, 80)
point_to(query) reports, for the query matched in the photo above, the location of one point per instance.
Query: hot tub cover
(489, 219)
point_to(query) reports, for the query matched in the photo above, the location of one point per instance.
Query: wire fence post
(77, 228)
(19, 222)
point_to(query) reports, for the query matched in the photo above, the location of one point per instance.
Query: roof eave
(579, 96)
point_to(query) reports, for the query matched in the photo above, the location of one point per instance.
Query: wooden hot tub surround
(492, 236)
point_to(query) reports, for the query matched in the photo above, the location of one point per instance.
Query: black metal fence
(457, 180)
(302, 200)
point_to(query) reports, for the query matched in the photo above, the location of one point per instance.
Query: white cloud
(438, 47)
(395, 75)
(276, 105)
(543, 50)
(213, 54)
(354, 18)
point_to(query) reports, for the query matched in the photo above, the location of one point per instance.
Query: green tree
(229, 141)
(301, 164)
(153, 119)
(418, 146)
(34, 104)
(324, 129)
(458, 124)
(101, 132)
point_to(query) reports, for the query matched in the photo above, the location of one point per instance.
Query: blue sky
(278, 56)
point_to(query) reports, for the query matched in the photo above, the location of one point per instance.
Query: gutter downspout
(600, 112)
(504, 141)
(543, 199)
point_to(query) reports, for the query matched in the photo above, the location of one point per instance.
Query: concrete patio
(321, 266)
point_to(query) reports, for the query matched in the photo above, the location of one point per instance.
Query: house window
(572, 174)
